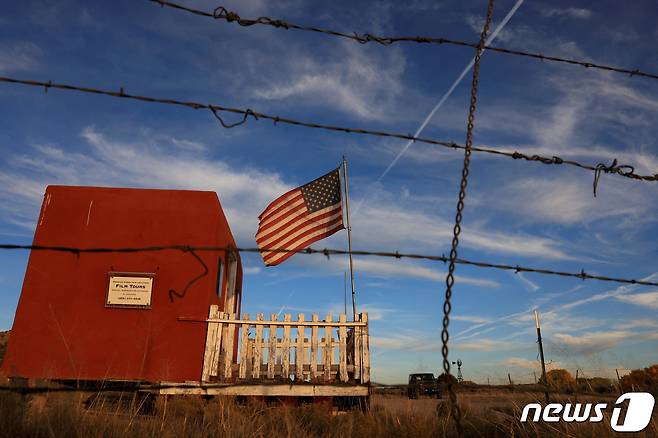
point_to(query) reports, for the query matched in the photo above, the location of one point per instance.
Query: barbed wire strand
(614, 168)
(450, 277)
(221, 13)
(327, 252)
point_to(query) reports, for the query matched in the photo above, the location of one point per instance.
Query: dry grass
(486, 414)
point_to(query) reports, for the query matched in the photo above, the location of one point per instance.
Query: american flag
(300, 217)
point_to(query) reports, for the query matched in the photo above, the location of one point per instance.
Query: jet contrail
(454, 85)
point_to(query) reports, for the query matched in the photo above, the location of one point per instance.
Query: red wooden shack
(111, 316)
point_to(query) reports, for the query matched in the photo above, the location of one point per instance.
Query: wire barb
(246, 114)
(222, 13)
(623, 170)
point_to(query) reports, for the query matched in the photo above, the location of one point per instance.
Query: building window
(219, 277)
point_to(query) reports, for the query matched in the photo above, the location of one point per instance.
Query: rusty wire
(221, 13)
(450, 277)
(327, 252)
(622, 170)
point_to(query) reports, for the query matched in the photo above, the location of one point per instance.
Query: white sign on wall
(127, 289)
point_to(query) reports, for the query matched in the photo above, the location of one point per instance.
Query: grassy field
(493, 412)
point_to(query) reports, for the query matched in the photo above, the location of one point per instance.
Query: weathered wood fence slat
(316, 351)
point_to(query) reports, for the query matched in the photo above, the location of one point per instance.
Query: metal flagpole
(349, 236)
(345, 290)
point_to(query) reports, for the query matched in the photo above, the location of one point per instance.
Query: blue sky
(516, 212)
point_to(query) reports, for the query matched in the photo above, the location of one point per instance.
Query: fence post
(271, 348)
(299, 350)
(228, 349)
(258, 344)
(314, 347)
(245, 356)
(285, 368)
(328, 353)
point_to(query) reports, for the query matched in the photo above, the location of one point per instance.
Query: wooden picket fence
(253, 350)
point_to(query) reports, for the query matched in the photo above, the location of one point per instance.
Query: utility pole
(541, 355)
(534, 373)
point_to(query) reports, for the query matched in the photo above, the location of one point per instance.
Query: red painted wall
(62, 328)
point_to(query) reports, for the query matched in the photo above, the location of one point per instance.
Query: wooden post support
(271, 348)
(211, 354)
(228, 349)
(510, 379)
(286, 348)
(299, 350)
(314, 348)
(621, 390)
(219, 346)
(328, 351)
(258, 343)
(357, 351)
(365, 350)
(342, 353)
(245, 357)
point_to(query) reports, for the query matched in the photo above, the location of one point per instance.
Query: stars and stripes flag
(300, 217)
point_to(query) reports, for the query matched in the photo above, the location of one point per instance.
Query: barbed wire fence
(221, 13)
(624, 170)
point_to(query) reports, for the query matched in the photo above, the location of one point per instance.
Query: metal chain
(450, 278)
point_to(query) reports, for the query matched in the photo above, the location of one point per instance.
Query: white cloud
(592, 342)
(419, 342)
(243, 192)
(533, 365)
(636, 323)
(528, 284)
(364, 83)
(396, 268)
(470, 318)
(578, 13)
(568, 199)
(19, 56)
(393, 226)
(647, 299)
(188, 145)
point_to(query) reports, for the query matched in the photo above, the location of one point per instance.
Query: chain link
(450, 278)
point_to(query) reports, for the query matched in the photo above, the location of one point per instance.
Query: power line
(614, 168)
(222, 13)
(328, 253)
